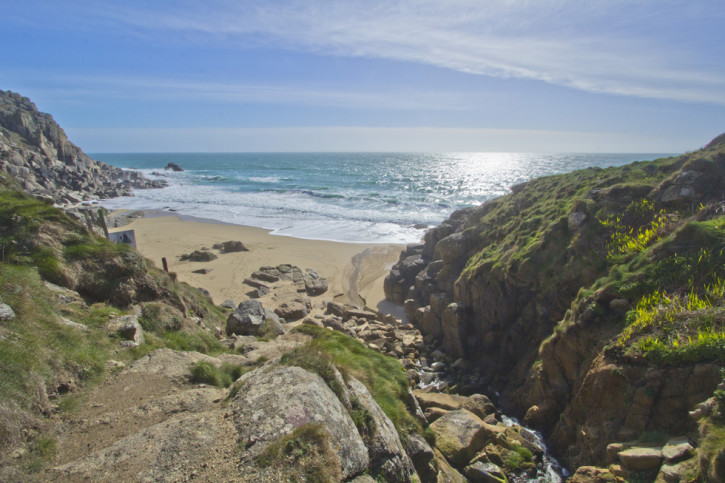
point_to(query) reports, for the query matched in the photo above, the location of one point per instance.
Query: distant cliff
(593, 299)
(36, 151)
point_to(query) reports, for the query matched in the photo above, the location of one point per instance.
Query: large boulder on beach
(198, 256)
(293, 310)
(230, 247)
(314, 284)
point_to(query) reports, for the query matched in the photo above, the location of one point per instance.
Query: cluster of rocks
(37, 152)
(423, 281)
(670, 462)
(206, 255)
(470, 437)
(308, 281)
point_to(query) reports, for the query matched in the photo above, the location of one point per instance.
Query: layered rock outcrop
(36, 151)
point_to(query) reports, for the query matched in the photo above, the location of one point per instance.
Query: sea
(347, 197)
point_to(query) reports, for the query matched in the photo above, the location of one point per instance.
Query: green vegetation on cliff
(64, 285)
(652, 233)
(382, 375)
(576, 285)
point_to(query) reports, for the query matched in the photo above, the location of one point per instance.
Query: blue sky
(415, 75)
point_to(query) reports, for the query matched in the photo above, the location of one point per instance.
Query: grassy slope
(628, 245)
(44, 363)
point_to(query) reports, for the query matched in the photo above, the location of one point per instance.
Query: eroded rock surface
(37, 152)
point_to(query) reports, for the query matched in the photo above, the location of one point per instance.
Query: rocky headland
(35, 150)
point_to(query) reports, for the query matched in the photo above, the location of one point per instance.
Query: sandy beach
(354, 271)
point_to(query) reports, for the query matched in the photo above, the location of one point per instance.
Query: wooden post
(163, 262)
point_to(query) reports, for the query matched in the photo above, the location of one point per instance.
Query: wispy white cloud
(622, 47)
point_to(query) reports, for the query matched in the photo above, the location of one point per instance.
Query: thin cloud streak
(365, 139)
(558, 42)
(157, 88)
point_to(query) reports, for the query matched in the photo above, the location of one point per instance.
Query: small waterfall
(548, 470)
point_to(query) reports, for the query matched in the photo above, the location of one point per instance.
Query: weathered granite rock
(677, 449)
(173, 167)
(592, 474)
(673, 472)
(293, 310)
(485, 473)
(387, 455)
(70, 323)
(314, 284)
(454, 329)
(421, 454)
(277, 399)
(641, 459)
(250, 318)
(446, 472)
(335, 309)
(403, 274)
(228, 303)
(128, 328)
(264, 276)
(315, 322)
(478, 404)
(349, 313)
(6, 312)
(459, 435)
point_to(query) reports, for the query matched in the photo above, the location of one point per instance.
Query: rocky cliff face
(36, 151)
(562, 294)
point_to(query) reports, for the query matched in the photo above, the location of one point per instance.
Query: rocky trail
(151, 421)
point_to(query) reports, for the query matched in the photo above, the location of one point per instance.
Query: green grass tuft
(223, 376)
(306, 454)
(382, 375)
(199, 341)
